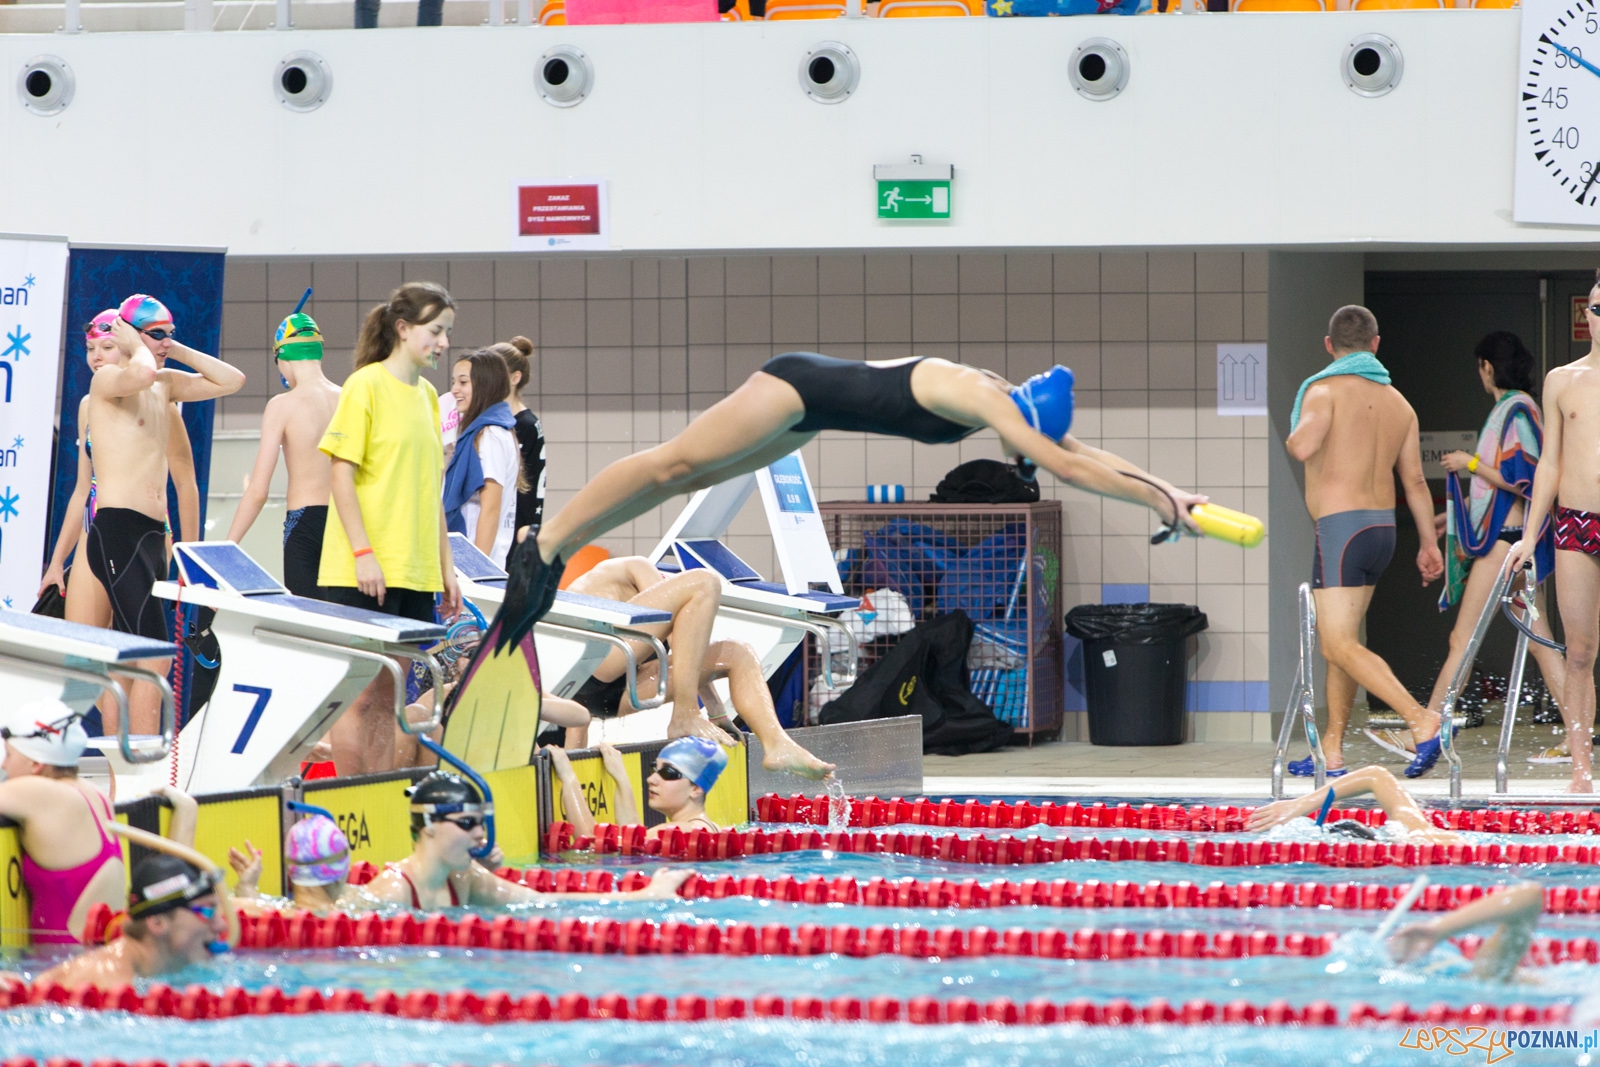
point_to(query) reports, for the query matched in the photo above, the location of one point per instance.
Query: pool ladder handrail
(1302, 699)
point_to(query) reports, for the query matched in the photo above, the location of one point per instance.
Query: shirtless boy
(294, 423)
(1354, 434)
(130, 405)
(1569, 477)
(693, 598)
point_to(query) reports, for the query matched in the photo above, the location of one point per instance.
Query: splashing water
(838, 806)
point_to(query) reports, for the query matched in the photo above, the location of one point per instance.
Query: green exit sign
(913, 200)
(914, 190)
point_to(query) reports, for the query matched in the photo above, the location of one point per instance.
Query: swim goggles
(669, 773)
(41, 729)
(465, 823)
(159, 335)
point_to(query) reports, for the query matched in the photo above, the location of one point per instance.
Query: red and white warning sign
(569, 214)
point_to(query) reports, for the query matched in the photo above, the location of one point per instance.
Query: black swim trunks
(847, 394)
(1353, 548)
(415, 604)
(302, 549)
(127, 552)
(602, 698)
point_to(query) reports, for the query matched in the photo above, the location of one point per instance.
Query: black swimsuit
(845, 394)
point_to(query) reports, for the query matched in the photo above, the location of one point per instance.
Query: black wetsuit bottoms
(302, 549)
(602, 698)
(847, 394)
(403, 603)
(127, 552)
(1353, 548)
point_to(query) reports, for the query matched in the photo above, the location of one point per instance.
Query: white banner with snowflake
(33, 293)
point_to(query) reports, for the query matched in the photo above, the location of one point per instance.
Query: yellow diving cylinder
(1225, 524)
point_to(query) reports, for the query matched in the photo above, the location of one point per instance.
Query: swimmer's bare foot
(697, 725)
(787, 756)
(1580, 785)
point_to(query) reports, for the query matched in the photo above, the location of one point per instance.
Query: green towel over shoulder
(1364, 364)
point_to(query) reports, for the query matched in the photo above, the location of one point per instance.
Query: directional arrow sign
(913, 199)
(1242, 379)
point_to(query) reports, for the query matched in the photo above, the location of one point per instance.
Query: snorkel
(210, 872)
(483, 851)
(292, 335)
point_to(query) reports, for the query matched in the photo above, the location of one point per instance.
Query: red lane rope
(644, 937)
(675, 844)
(868, 812)
(197, 1002)
(1060, 893)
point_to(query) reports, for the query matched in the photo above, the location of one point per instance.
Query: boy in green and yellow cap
(294, 422)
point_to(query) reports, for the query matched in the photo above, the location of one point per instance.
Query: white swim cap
(45, 731)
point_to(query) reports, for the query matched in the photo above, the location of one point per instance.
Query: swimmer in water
(175, 915)
(784, 405)
(1405, 814)
(447, 824)
(1514, 909)
(317, 854)
(69, 861)
(684, 773)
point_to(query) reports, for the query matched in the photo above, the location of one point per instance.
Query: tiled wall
(629, 349)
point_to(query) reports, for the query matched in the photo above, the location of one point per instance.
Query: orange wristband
(362, 552)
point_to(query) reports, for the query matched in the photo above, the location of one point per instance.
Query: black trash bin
(1135, 661)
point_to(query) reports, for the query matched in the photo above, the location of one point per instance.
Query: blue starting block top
(120, 646)
(225, 566)
(472, 563)
(715, 556)
(405, 631)
(637, 615)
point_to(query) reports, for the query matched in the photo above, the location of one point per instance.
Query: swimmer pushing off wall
(785, 404)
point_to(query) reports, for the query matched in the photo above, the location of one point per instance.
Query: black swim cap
(163, 883)
(442, 793)
(1351, 828)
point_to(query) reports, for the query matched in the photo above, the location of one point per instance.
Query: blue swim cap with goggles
(1045, 400)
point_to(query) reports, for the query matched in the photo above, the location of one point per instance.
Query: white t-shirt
(497, 451)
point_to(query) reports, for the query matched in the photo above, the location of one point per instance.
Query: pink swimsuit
(56, 893)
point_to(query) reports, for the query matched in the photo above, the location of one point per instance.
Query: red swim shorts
(1577, 531)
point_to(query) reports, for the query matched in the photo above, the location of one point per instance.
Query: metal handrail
(110, 685)
(1302, 699)
(817, 628)
(1458, 682)
(630, 662)
(1519, 663)
(383, 662)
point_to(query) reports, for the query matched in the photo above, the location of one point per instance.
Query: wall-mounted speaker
(565, 76)
(45, 85)
(303, 81)
(1099, 69)
(1372, 65)
(829, 72)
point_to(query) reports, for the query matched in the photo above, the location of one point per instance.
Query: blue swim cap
(1045, 400)
(701, 761)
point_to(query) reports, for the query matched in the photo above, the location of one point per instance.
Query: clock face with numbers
(1558, 113)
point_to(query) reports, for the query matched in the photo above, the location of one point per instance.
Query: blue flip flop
(1307, 768)
(1427, 754)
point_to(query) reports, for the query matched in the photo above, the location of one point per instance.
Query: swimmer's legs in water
(1398, 804)
(1339, 615)
(1516, 909)
(743, 432)
(1578, 589)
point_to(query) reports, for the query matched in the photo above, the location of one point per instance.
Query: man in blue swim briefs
(1355, 432)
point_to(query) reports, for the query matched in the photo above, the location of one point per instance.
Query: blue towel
(1364, 364)
(464, 476)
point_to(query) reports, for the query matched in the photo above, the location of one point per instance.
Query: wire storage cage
(999, 563)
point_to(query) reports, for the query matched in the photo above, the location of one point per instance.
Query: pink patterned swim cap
(99, 326)
(317, 852)
(141, 311)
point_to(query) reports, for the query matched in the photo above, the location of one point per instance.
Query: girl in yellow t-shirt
(386, 547)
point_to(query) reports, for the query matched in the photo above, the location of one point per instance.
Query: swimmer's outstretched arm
(483, 887)
(1516, 909)
(1395, 801)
